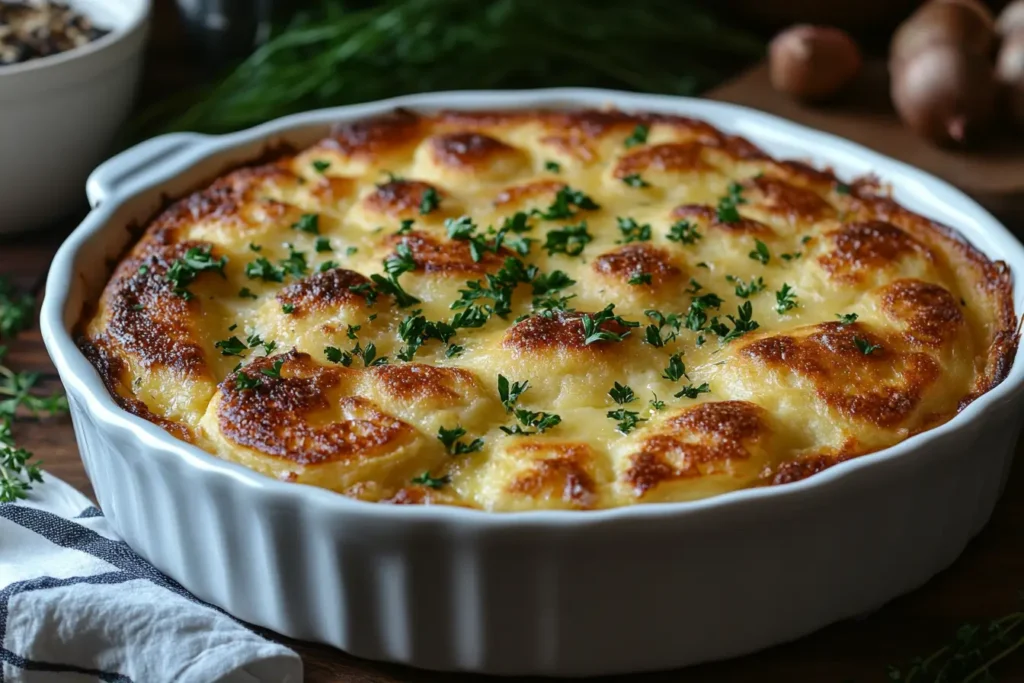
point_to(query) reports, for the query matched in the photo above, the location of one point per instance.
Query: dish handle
(137, 163)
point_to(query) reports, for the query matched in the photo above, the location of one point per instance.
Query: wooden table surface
(982, 584)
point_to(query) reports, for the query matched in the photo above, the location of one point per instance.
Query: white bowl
(546, 592)
(59, 115)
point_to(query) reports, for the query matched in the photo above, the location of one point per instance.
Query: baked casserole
(539, 309)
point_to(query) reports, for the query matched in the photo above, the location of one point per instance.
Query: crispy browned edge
(996, 277)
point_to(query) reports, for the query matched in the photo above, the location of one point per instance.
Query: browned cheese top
(523, 310)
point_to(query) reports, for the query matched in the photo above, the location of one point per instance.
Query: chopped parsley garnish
(760, 252)
(296, 264)
(791, 257)
(431, 482)
(231, 347)
(450, 439)
(274, 371)
(509, 392)
(541, 422)
(638, 136)
(336, 355)
(516, 224)
(319, 165)
(569, 239)
(470, 316)
(351, 331)
(639, 278)
(255, 247)
(499, 289)
(842, 188)
(246, 293)
(633, 231)
(461, 228)
(566, 202)
(429, 201)
(400, 262)
(622, 394)
(288, 308)
(745, 290)
(653, 334)
(741, 325)
(785, 299)
(727, 211)
(365, 289)
(453, 350)
(548, 305)
(245, 382)
(143, 270)
(415, 329)
(552, 166)
(627, 419)
(351, 250)
(866, 347)
(185, 270)
(694, 287)
(683, 232)
(656, 403)
(308, 222)
(545, 283)
(696, 316)
(675, 370)
(396, 265)
(634, 180)
(327, 265)
(592, 331)
(262, 269)
(690, 391)
(322, 244)
(367, 355)
(847, 318)
(405, 226)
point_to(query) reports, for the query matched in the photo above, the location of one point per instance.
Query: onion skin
(812, 63)
(1010, 74)
(944, 94)
(942, 22)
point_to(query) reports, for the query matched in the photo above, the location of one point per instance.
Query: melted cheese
(934, 324)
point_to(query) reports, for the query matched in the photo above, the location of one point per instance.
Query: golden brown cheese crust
(328, 352)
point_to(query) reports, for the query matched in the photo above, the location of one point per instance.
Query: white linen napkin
(77, 604)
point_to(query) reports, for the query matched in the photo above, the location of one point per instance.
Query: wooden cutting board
(993, 173)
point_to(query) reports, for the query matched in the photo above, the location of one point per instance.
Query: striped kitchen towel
(77, 604)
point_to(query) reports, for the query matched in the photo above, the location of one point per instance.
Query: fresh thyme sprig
(970, 657)
(18, 469)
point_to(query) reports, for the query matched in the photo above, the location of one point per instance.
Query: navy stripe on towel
(67, 534)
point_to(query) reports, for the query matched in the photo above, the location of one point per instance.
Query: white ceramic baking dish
(561, 593)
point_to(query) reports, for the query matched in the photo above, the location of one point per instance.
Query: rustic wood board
(982, 584)
(993, 173)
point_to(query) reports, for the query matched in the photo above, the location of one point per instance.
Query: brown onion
(944, 93)
(977, 6)
(812, 62)
(942, 22)
(1010, 74)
